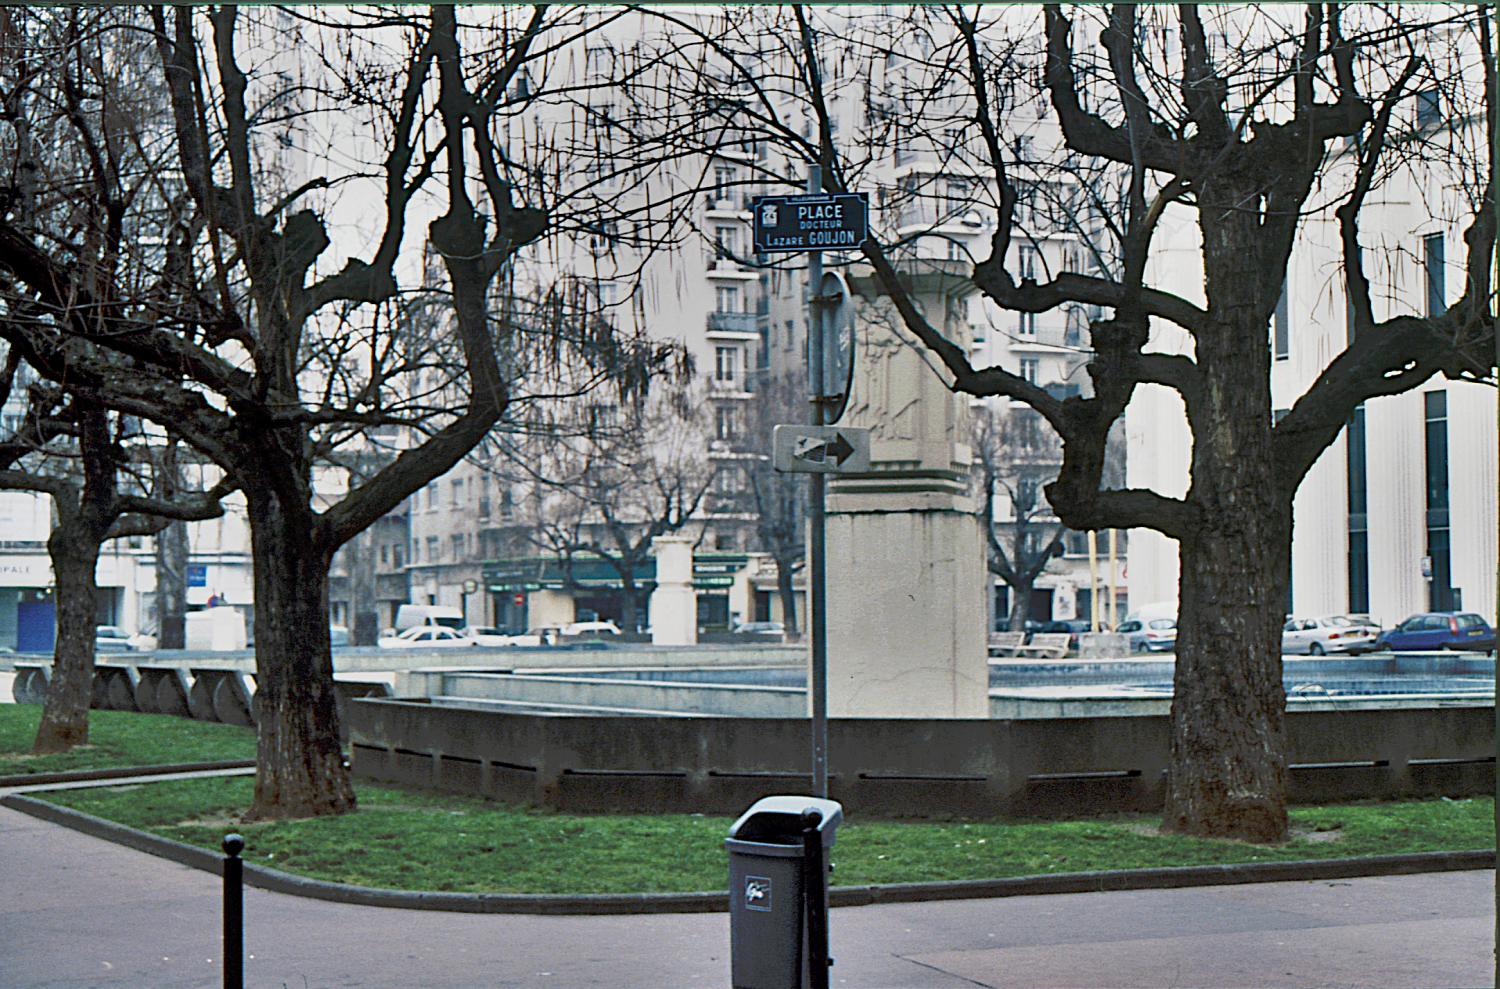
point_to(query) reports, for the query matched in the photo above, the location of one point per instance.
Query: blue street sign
(197, 575)
(837, 221)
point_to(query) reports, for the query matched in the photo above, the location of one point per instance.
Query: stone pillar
(906, 573)
(674, 603)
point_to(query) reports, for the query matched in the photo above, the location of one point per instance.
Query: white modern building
(1398, 515)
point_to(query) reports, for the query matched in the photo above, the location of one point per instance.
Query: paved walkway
(76, 911)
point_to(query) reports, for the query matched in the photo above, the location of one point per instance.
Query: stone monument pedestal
(905, 550)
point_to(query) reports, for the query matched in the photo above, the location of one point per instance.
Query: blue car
(1435, 630)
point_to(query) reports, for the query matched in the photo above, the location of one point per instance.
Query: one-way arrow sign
(820, 449)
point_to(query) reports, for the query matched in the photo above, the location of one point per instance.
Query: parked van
(412, 615)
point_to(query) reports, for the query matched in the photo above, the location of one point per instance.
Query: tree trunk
(1228, 762)
(788, 595)
(65, 715)
(299, 767)
(1020, 604)
(630, 606)
(171, 586)
(364, 619)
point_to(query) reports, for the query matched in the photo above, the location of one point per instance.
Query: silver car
(1334, 633)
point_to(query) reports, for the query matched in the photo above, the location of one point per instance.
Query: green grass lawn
(418, 841)
(118, 739)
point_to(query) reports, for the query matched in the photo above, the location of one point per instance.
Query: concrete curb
(92, 775)
(839, 896)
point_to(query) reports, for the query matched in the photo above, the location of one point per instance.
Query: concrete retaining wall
(891, 767)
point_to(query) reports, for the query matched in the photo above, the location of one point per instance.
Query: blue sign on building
(197, 575)
(837, 221)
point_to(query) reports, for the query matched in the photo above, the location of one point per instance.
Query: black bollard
(234, 913)
(814, 888)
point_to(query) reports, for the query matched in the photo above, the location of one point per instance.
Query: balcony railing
(719, 260)
(732, 200)
(931, 213)
(1051, 336)
(731, 322)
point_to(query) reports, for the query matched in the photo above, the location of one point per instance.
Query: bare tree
(1249, 127)
(245, 328)
(610, 481)
(80, 455)
(1016, 454)
(778, 500)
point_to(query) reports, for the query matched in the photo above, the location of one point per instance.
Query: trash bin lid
(778, 819)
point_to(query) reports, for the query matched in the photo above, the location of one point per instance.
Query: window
(432, 549)
(1030, 366)
(727, 482)
(727, 298)
(726, 423)
(416, 551)
(432, 495)
(957, 251)
(455, 492)
(1436, 412)
(507, 505)
(1429, 109)
(1433, 267)
(1026, 324)
(726, 241)
(1027, 259)
(385, 555)
(725, 177)
(1441, 595)
(396, 560)
(456, 546)
(1281, 328)
(1359, 542)
(727, 364)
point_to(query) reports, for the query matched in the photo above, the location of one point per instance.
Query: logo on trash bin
(758, 893)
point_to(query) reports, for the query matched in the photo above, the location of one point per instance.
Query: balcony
(727, 201)
(1071, 335)
(934, 212)
(732, 322)
(719, 261)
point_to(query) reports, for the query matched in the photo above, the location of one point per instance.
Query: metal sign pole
(818, 681)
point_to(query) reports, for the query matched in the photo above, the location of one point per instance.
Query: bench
(1048, 645)
(1006, 643)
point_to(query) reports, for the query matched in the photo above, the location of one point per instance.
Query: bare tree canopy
(1245, 131)
(215, 220)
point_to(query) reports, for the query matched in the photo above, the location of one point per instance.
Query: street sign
(797, 449)
(837, 221)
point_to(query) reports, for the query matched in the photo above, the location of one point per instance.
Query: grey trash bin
(768, 943)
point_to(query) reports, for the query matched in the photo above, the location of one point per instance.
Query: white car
(592, 630)
(488, 635)
(427, 637)
(1335, 633)
(543, 635)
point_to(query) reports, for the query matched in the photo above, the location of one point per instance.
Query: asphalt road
(80, 912)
